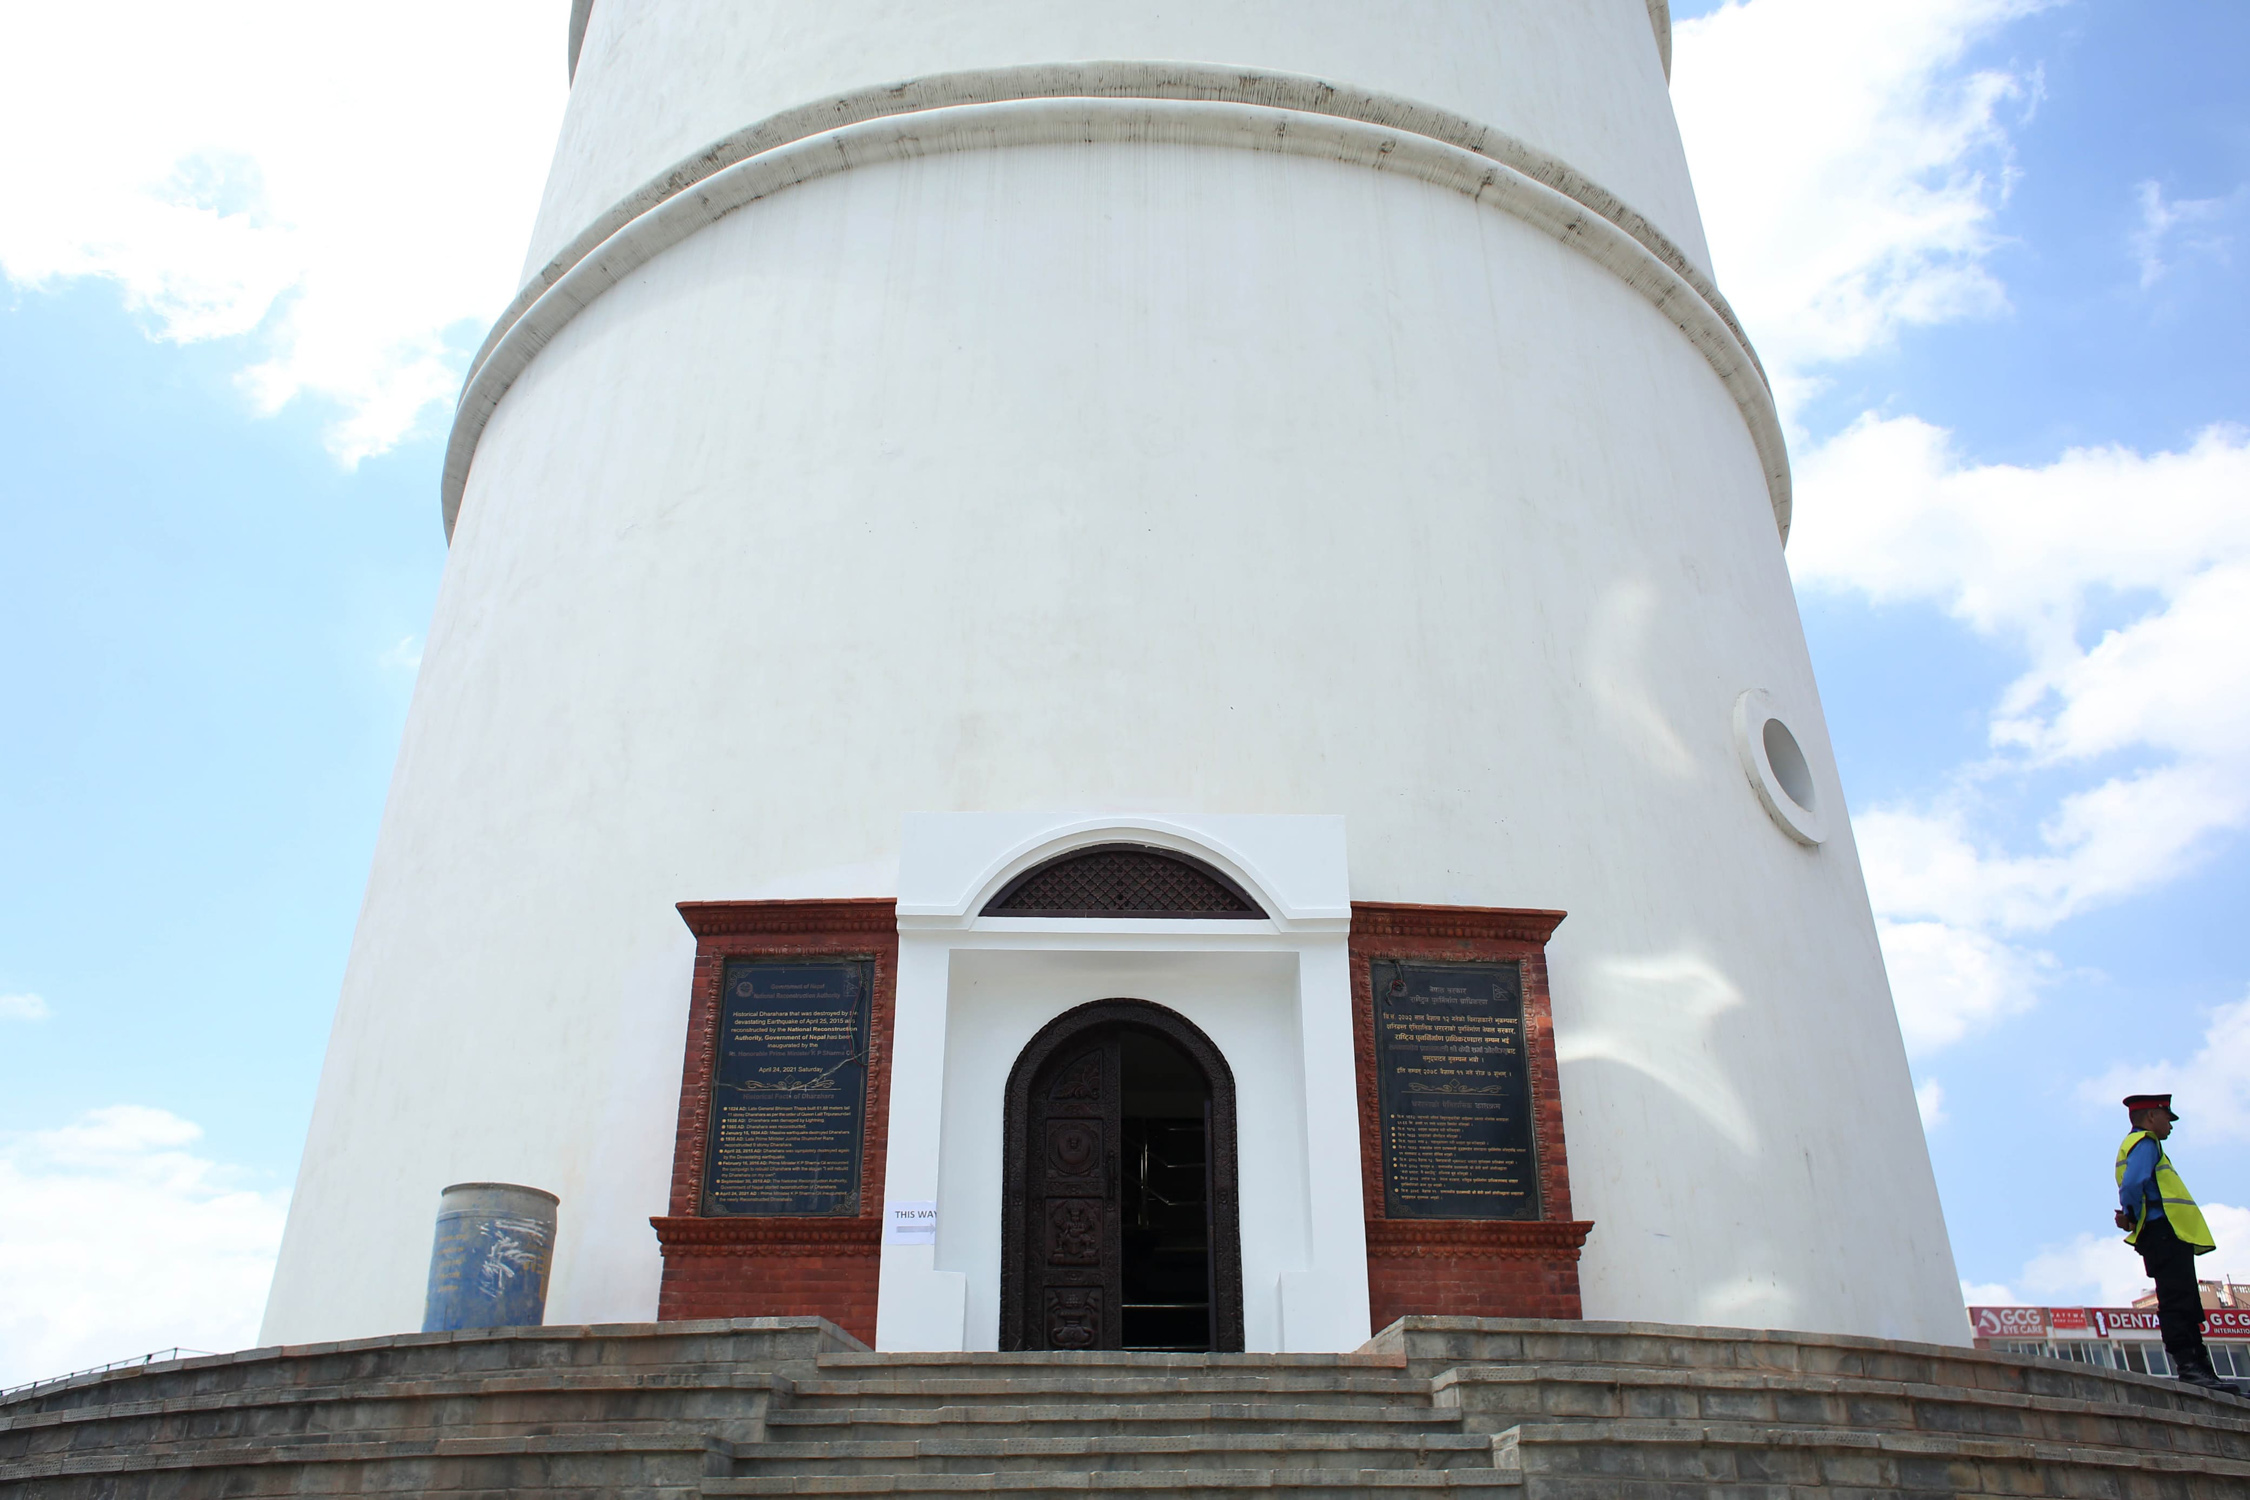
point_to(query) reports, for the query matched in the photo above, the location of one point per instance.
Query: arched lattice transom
(1124, 880)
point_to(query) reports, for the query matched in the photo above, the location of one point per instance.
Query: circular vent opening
(1775, 763)
(1788, 762)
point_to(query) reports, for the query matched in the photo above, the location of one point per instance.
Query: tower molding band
(1102, 103)
(1116, 80)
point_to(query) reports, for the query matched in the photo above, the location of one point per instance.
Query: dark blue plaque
(1455, 1088)
(788, 1088)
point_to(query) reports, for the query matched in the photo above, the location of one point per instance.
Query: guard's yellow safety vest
(2179, 1205)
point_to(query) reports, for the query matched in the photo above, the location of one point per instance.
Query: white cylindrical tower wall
(658, 82)
(1155, 452)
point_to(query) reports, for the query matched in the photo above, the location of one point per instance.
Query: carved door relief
(1075, 1273)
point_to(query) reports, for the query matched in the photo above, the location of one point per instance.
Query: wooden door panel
(1074, 1258)
(1062, 1282)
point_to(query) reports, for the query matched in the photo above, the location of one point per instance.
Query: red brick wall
(771, 1268)
(778, 1267)
(1479, 1268)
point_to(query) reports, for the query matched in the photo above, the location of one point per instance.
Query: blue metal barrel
(488, 1269)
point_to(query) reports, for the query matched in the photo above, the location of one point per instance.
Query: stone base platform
(788, 1406)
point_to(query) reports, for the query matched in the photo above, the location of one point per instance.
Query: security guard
(2168, 1229)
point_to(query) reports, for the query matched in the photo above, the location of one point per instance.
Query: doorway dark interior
(1165, 1130)
(1119, 1191)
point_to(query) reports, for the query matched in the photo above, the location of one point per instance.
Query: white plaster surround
(1274, 996)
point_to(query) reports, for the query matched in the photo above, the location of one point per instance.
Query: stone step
(1145, 1484)
(1204, 1450)
(1099, 1359)
(635, 1436)
(1052, 1386)
(718, 1346)
(724, 1404)
(1491, 1398)
(1432, 1345)
(881, 1423)
(556, 1466)
(1665, 1460)
(591, 1383)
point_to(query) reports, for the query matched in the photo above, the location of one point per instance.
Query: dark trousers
(2179, 1304)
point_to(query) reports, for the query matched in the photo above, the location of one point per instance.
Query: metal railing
(155, 1357)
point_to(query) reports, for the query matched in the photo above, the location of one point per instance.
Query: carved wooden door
(1072, 1259)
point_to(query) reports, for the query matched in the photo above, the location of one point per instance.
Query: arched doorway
(1119, 1196)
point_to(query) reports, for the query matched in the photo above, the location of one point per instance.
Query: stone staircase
(1548, 1411)
(1150, 1424)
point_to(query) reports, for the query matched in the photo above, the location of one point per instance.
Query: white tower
(1124, 421)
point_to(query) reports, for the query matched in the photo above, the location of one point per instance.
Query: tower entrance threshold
(1120, 1187)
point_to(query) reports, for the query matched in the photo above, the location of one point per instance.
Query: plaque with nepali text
(788, 1088)
(1455, 1089)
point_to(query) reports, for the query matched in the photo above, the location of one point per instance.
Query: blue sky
(1991, 250)
(1990, 540)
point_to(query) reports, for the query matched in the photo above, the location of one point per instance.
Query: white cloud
(2230, 1228)
(405, 655)
(1987, 1294)
(1893, 512)
(116, 1239)
(24, 1008)
(1929, 1099)
(2123, 836)
(1849, 171)
(2211, 1089)
(2101, 1270)
(2093, 1270)
(2156, 547)
(336, 190)
(1948, 981)
(2160, 219)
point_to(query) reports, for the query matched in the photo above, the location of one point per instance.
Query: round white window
(1776, 766)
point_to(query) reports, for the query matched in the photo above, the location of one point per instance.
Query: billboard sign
(2008, 1322)
(2115, 1322)
(2136, 1323)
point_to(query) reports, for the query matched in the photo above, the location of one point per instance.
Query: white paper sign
(910, 1223)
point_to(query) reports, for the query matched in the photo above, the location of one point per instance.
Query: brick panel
(1467, 1267)
(778, 1267)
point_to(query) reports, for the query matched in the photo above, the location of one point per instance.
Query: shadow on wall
(1618, 675)
(1658, 1017)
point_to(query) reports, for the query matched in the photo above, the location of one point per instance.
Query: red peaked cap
(2135, 1103)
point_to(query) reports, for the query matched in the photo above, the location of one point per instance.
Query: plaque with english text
(1455, 1091)
(788, 1088)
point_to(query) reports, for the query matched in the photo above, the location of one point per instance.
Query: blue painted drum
(488, 1267)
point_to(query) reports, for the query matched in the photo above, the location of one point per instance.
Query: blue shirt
(2140, 1179)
